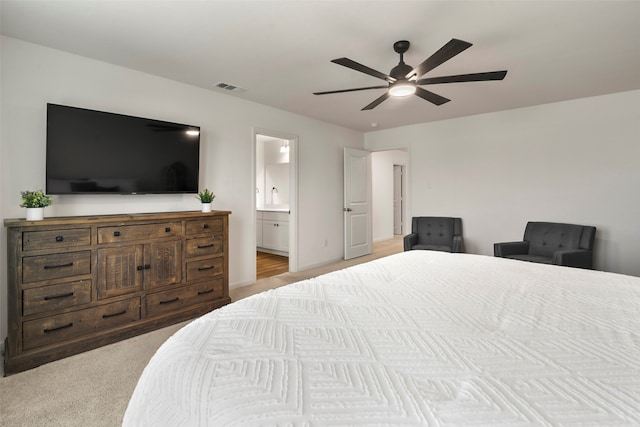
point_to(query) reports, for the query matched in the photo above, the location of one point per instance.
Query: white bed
(417, 338)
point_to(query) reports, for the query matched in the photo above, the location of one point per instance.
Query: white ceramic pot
(35, 214)
(206, 207)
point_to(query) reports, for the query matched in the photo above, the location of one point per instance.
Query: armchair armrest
(410, 240)
(458, 244)
(581, 258)
(505, 249)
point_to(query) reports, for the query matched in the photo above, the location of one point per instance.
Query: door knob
(347, 209)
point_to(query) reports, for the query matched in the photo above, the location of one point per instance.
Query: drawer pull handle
(167, 230)
(205, 292)
(47, 298)
(169, 301)
(116, 233)
(147, 266)
(49, 267)
(205, 246)
(140, 267)
(68, 325)
(205, 268)
(120, 313)
(205, 225)
(59, 238)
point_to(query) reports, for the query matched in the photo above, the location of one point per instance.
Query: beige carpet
(93, 388)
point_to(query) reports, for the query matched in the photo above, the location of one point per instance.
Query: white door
(357, 203)
(398, 199)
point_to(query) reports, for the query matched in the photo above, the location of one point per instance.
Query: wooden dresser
(77, 283)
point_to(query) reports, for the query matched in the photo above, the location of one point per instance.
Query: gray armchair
(435, 233)
(552, 243)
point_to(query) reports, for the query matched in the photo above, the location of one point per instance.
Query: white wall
(576, 161)
(33, 75)
(382, 184)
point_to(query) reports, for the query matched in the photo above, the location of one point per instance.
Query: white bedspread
(418, 338)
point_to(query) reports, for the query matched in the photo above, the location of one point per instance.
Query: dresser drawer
(45, 267)
(55, 297)
(209, 225)
(209, 245)
(50, 330)
(56, 239)
(128, 233)
(177, 299)
(204, 269)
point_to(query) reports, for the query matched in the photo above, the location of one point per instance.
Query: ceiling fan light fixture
(403, 80)
(402, 88)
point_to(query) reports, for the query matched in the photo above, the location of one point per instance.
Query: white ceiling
(280, 51)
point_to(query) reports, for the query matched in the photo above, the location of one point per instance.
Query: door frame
(407, 164)
(403, 196)
(293, 192)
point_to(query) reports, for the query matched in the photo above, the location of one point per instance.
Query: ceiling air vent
(229, 87)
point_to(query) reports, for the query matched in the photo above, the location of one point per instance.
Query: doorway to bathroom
(275, 201)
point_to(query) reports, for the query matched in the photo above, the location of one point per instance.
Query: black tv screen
(95, 152)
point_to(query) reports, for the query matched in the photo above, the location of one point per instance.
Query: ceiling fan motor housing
(401, 70)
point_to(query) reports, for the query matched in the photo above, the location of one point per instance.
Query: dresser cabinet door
(120, 270)
(164, 264)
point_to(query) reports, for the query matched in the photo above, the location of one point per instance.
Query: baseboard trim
(320, 264)
(241, 284)
(272, 251)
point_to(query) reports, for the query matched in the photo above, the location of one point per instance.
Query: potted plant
(206, 197)
(35, 202)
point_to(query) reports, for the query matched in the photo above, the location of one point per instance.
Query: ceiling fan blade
(377, 102)
(431, 97)
(446, 52)
(350, 90)
(346, 62)
(474, 77)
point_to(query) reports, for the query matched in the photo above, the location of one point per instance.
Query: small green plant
(35, 199)
(206, 196)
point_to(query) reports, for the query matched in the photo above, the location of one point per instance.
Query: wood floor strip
(268, 265)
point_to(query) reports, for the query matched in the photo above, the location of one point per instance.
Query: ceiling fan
(404, 80)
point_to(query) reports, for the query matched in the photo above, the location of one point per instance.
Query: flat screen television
(95, 152)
